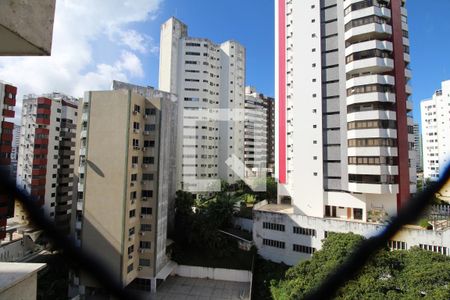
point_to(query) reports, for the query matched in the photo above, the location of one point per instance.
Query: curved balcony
(372, 133)
(409, 105)
(372, 151)
(373, 30)
(371, 97)
(408, 74)
(405, 41)
(383, 12)
(373, 188)
(372, 115)
(407, 57)
(408, 89)
(373, 65)
(370, 79)
(369, 45)
(373, 169)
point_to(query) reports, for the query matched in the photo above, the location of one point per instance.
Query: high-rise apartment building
(418, 147)
(208, 80)
(345, 134)
(126, 183)
(435, 113)
(345, 144)
(45, 163)
(7, 103)
(258, 133)
(15, 150)
(270, 105)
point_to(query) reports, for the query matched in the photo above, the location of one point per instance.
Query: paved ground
(180, 288)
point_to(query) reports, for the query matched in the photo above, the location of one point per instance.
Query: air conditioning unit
(134, 166)
(133, 201)
(135, 112)
(130, 256)
(132, 184)
(136, 148)
(142, 233)
(146, 116)
(139, 268)
(145, 166)
(141, 251)
(144, 149)
(146, 132)
(144, 199)
(136, 130)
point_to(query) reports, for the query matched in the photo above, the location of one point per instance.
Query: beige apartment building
(126, 183)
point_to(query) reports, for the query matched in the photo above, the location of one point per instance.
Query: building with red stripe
(45, 163)
(7, 103)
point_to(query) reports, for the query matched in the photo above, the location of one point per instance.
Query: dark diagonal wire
(72, 254)
(355, 262)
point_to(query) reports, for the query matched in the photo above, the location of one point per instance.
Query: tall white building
(435, 113)
(344, 142)
(208, 80)
(45, 163)
(15, 150)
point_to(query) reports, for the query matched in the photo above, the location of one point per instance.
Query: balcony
(10, 101)
(369, 45)
(371, 115)
(407, 57)
(8, 113)
(373, 169)
(408, 74)
(373, 151)
(369, 31)
(370, 79)
(372, 133)
(383, 12)
(373, 188)
(373, 65)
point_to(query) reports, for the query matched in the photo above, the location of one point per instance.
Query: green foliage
(409, 274)
(271, 189)
(264, 273)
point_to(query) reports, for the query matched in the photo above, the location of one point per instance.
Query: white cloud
(78, 26)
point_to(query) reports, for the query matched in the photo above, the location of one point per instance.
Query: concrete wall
(214, 273)
(243, 223)
(15, 250)
(24, 290)
(412, 236)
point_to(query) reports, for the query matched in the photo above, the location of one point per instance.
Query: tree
(403, 274)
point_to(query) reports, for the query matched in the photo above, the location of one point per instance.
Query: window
(131, 231)
(145, 245)
(273, 226)
(303, 249)
(133, 195)
(150, 127)
(130, 249)
(130, 268)
(137, 109)
(147, 193)
(274, 243)
(150, 111)
(147, 177)
(397, 245)
(144, 262)
(146, 210)
(149, 144)
(135, 143)
(133, 177)
(304, 231)
(146, 227)
(135, 160)
(132, 213)
(149, 160)
(357, 213)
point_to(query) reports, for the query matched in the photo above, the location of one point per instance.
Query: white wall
(214, 273)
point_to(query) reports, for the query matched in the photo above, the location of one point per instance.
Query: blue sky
(96, 41)
(251, 22)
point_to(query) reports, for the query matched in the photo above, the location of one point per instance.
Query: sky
(96, 41)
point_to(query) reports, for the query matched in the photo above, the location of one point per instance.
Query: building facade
(345, 136)
(345, 133)
(435, 115)
(270, 105)
(45, 163)
(418, 148)
(15, 150)
(7, 102)
(125, 183)
(208, 80)
(257, 133)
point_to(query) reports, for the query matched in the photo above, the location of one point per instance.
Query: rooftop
(14, 273)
